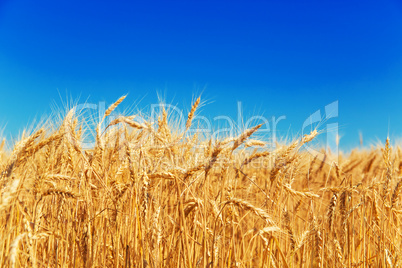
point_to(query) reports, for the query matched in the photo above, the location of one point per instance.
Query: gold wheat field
(147, 196)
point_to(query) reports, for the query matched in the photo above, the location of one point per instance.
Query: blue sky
(277, 57)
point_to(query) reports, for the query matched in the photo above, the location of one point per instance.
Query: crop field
(147, 195)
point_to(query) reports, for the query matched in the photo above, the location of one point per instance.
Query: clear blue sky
(277, 57)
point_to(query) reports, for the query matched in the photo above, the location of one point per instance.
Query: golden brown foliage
(145, 196)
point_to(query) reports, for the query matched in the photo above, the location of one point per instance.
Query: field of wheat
(148, 196)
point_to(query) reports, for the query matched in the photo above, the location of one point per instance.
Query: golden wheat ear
(191, 114)
(240, 139)
(2, 144)
(114, 106)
